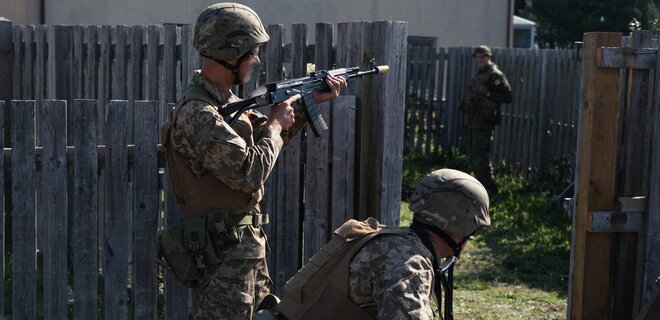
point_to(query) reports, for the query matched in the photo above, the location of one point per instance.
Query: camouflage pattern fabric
(226, 31)
(481, 102)
(242, 157)
(233, 290)
(395, 274)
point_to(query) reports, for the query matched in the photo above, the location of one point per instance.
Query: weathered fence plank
(269, 204)
(17, 38)
(28, 63)
(189, 56)
(2, 201)
(176, 295)
(289, 190)
(134, 76)
(153, 45)
(342, 182)
(85, 263)
(651, 259)
(317, 172)
(41, 62)
(24, 293)
(591, 270)
(117, 214)
(146, 209)
(91, 63)
(78, 85)
(381, 139)
(169, 86)
(53, 208)
(6, 65)
(119, 64)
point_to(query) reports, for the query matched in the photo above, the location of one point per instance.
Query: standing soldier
(369, 271)
(486, 92)
(218, 171)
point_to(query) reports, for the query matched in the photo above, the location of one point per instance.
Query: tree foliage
(561, 22)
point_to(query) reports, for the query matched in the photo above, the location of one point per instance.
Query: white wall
(453, 22)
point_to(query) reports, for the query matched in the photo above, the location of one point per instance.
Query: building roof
(520, 21)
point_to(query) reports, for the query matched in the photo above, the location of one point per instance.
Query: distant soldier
(218, 170)
(486, 92)
(370, 271)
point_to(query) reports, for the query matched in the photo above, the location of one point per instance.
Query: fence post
(595, 186)
(382, 123)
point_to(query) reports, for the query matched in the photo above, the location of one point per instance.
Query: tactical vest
(320, 290)
(201, 194)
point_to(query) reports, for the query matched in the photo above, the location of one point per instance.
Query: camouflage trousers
(235, 289)
(479, 144)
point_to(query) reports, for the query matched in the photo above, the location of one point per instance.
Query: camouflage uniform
(241, 157)
(369, 271)
(395, 275)
(487, 90)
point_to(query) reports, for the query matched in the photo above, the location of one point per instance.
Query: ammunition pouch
(191, 248)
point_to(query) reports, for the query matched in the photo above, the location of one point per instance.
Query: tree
(561, 22)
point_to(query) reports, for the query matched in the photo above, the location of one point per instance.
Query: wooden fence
(616, 226)
(538, 127)
(85, 171)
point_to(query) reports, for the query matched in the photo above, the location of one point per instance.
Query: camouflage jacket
(395, 274)
(487, 90)
(241, 156)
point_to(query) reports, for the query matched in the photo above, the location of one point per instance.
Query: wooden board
(590, 286)
(637, 132)
(317, 168)
(2, 208)
(289, 190)
(381, 138)
(652, 241)
(342, 180)
(6, 61)
(85, 170)
(117, 213)
(176, 295)
(24, 293)
(146, 209)
(53, 208)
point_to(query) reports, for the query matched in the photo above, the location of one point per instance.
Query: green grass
(518, 267)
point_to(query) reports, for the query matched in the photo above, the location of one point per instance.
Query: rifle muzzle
(383, 69)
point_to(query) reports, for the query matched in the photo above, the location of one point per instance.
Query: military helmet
(452, 201)
(226, 31)
(485, 50)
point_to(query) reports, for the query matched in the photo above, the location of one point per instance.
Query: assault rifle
(276, 92)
